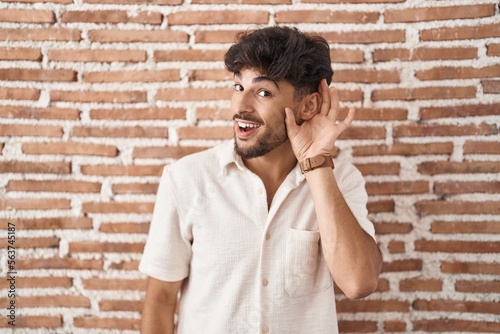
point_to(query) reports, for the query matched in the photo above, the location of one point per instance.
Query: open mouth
(246, 128)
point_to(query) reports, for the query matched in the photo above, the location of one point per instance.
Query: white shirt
(249, 269)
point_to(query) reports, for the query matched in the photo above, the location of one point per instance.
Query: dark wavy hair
(283, 53)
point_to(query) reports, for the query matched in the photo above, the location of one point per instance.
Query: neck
(274, 166)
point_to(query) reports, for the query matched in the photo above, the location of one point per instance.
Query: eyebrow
(260, 79)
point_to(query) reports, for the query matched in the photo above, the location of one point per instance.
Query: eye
(264, 93)
(238, 87)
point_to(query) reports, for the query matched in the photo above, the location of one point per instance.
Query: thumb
(291, 125)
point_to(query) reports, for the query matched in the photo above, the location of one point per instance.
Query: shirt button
(265, 329)
(259, 191)
(265, 282)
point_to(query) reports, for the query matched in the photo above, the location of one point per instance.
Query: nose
(241, 102)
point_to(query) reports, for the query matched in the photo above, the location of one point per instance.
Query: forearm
(351, 254)
(157, 318)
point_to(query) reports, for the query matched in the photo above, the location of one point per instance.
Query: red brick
(70, 148)
(440, 207)
(459, 111)
(194, 94)
(478, 286)
(40, 282)
(404, 149)
(125, 265)
(98, 96)
(142, 228)
(110, 16)
(37, 242)
(55, 223)
(107, 323)
(423, 54)
(456, 306)
(118, 207)
(138, 114)
(54, 301)
(375, 168)
(491, 86)
(35, 321)
(211, 75)
(443, 73)
(189, 55)
(455, 325)
(438, 13)
(138, 36)
(7, 93)
(105, 247)
(357, 326)
(453, 227)
(424, 93)
(453, 246)
(27, 167)
(56, 186)
(45, 34)
(391, 326)
(470, 268)
(460, 33)
(9, 53)
(402, 265)
(135, 188)
(121, 305)
(396, 247)
(120, 132)
(161, 152)
(215, 36)
(49, 1)
(324, 16)
(431, 130)
(244, 2)
(359, 132)
(34, 204)
(99, 56)
(131, 2)
(493, 50)
(455, 187)
(350, 95)
(347, 56)
(59, 263)
(207, 17)
(132, 76)
(381, 206)
(39, 113)
(447, 167)
(27, 16)
(365, 37)
(481, 147)
(122, 170)
(415, 284)
(392, 228)
(399, 187)
(114, 284)
(356, 306)
(366, 76)
(214, 113)
(12, 130)
(214, 132)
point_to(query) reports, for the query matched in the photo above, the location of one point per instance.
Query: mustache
(247, 117)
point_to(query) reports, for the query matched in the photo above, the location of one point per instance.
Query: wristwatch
(318, 161)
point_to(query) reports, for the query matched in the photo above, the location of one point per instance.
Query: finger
(342, 126)
(335, 104)
(291, 125)
(325, 97)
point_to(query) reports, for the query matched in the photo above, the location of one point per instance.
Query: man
(252, 232)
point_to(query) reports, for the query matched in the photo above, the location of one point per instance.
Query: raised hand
(317, 135)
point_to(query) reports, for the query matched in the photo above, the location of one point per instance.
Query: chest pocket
(306, 271)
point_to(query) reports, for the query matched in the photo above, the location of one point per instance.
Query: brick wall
(97, 95)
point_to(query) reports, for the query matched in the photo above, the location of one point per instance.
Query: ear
(310, 106)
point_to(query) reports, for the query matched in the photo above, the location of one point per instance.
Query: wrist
(320, 161)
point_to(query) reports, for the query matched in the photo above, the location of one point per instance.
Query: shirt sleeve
(352, 186)
(167, 252)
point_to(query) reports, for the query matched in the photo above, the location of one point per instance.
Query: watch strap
(318, 161)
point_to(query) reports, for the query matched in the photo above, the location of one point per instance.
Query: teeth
(247, 125)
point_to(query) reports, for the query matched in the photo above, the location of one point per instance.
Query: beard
(265, 143)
